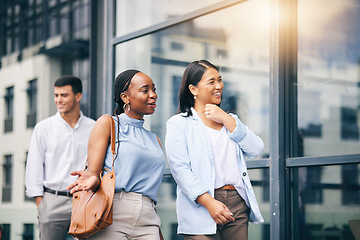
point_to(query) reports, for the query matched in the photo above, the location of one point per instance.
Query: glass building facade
(291, 72)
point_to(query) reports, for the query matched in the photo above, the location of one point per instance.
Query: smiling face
(209, 88)
(141, 96)
(65, 99)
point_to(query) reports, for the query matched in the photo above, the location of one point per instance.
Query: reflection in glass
(167, 197)
(325, 199)
(133, 15)
(260, 182)
(328, 77)
(225, 38)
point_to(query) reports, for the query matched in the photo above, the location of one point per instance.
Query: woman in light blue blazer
(206, 147)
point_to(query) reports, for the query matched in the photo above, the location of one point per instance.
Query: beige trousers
(54, 217)
(134, 217)
(233, 230)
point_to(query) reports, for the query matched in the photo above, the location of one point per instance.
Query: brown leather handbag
(93, 211)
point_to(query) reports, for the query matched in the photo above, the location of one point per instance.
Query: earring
(194, 97)
(124, 106)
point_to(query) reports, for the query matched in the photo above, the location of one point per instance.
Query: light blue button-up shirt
(190, 157)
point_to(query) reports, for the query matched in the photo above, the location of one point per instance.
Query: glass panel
(326, 202)
(167, 210)
(328, 77)
(260, 182)
(133, 15)
(224, 38)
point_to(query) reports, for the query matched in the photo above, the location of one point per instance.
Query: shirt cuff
(239, 132)
(31, 193)
(196, 192)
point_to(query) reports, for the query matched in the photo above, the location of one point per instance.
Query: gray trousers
(134, 217)
(237, 229)
(54, 217)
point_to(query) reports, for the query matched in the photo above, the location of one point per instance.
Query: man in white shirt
(58, 146)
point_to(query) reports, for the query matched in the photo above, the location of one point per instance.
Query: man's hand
(38, 201)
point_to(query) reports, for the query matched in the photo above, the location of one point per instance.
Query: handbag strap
(112, 138)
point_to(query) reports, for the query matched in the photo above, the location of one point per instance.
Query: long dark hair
(192, 75)
(121, 84)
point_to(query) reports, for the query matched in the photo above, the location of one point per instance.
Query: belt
(227, 187)
(61, 193)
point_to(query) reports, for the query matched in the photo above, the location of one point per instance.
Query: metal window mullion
(278, 173)
(109, 62)
(93, 57)
(323, 160)
(177, 20)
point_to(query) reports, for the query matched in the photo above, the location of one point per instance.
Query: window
(313, 188)
(350, 194)
(309, 113)
(175, 90)
(6, 231)
(32, 102)
(324, 193)
(28, 233)
(177, 46)
(9, 106)
(266, 185)
(7, 178)
(223, 53)
(327, 80)
(349, 127)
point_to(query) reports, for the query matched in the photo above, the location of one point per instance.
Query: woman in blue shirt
(205, 147)
(139, 162)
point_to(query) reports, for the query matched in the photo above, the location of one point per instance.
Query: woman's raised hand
(85, 182)
(213, 112)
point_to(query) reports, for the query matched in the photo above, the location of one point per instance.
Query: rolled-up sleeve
(34, 175)
(179, 159)
(251, 144)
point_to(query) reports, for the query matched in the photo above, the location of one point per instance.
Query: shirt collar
(195, 115)
(58, 115)
(131, 121)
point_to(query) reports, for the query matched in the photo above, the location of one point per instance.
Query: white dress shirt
(55, 150)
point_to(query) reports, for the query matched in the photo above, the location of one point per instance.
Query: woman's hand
(85, 182)
(219, 212)
(215, 113)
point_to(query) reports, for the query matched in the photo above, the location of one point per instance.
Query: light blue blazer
(191, 161)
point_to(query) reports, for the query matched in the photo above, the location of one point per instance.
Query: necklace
(201, 114)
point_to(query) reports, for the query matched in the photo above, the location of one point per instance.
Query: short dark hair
(192, 75)
(121, 84)
(73, 81)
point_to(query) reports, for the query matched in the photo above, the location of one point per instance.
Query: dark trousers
(237, 229)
